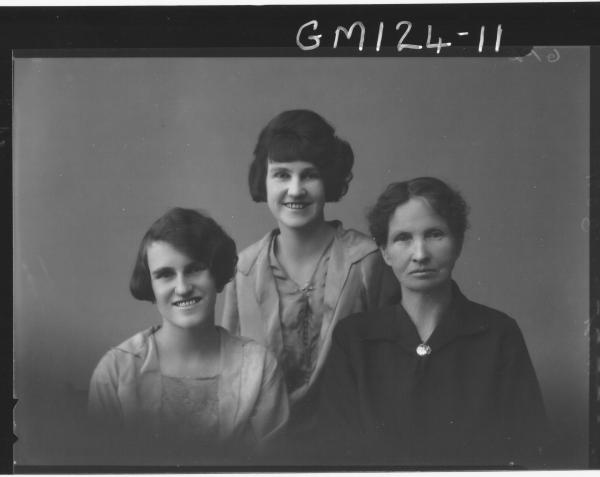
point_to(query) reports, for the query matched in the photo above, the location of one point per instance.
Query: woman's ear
(384, 254)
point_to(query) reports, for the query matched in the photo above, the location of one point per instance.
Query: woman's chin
(431, 285)
(300, 223)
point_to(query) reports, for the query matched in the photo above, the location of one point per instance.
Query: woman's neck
(300, 243)
(426, 309)
(188, 351)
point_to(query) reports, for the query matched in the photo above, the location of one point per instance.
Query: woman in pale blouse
(299, 280)
(186, 383)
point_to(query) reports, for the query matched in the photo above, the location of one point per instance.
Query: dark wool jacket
(473, 401)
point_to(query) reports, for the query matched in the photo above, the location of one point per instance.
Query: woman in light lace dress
(187, 383)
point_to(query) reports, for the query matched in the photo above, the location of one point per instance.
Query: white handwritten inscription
(308, 37)
(552, 57)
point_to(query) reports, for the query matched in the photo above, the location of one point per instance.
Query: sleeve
(379, 282)
(230, 319)
(340, 436)
(525, 424)
(103, 401)
(272, 407)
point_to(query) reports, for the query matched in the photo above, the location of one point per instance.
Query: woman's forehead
(417, 212)
(165, 251)
(295, 165)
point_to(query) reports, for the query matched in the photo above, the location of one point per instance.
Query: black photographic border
(271, 31)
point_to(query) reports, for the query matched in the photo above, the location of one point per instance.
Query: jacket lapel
(267, 298)
(345, 252)
(141, 397)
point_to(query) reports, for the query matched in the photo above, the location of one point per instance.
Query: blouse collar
(395, 325)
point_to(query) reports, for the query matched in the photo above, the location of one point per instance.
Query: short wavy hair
(194, 234)
(302, 135)
(447, 202)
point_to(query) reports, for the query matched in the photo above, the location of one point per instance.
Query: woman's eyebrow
(160, 271)
(194, 264)
(279, 170)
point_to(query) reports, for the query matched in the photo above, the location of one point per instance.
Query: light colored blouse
(357, 279)
(301, 310)
(128, 390)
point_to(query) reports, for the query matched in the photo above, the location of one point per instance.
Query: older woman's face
(420, 247)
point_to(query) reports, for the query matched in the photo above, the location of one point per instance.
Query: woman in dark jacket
(437, 379)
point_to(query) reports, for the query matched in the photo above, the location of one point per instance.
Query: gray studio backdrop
(103, 146)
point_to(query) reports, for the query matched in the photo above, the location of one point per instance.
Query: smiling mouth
(296, 205)
(187, 303)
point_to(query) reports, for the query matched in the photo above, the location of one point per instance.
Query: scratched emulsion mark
(31, 281)
(43, 267)
(585, 224)
(541, 54)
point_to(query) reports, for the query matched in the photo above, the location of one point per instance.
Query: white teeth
(184, 303)
(295, 205)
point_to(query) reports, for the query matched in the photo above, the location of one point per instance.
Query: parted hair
(302, 135)
(447, 202)
(194, 234)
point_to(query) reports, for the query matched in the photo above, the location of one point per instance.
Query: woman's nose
(420, 252)
(182, 285)
(296, 187)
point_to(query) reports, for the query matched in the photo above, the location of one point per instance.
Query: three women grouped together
(334, 347)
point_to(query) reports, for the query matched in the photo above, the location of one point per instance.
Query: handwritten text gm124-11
(308, 36)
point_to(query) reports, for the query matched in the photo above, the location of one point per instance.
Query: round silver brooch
(423, 350)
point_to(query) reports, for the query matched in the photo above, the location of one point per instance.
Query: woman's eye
(197, 267)
(436, 234)
(313, 175)
(163, 274)
(402, 238)
(280, 175)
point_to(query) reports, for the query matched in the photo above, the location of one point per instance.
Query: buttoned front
(473, 399)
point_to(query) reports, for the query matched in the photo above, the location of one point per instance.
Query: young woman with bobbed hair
(436, 379)
(186, 382)
(299, 280)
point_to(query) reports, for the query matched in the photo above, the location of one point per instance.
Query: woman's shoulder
(356, 245)
(494, 320)
(366, 324)
(247, 257)
(137, 344)
(133, 349)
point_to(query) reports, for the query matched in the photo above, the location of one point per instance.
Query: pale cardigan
(126, 388)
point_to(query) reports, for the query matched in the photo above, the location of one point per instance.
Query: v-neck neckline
(394, 324)
(310, 283)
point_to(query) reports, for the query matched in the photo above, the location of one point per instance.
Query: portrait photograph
(219, 259)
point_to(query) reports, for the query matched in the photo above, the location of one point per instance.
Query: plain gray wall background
(103, 146)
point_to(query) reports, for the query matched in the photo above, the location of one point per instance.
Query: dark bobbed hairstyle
(302, 135)
(193, 234)
(447, 202)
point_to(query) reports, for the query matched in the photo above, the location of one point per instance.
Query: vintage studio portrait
(326, 262)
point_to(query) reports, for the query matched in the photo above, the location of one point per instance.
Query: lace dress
(189, 408)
